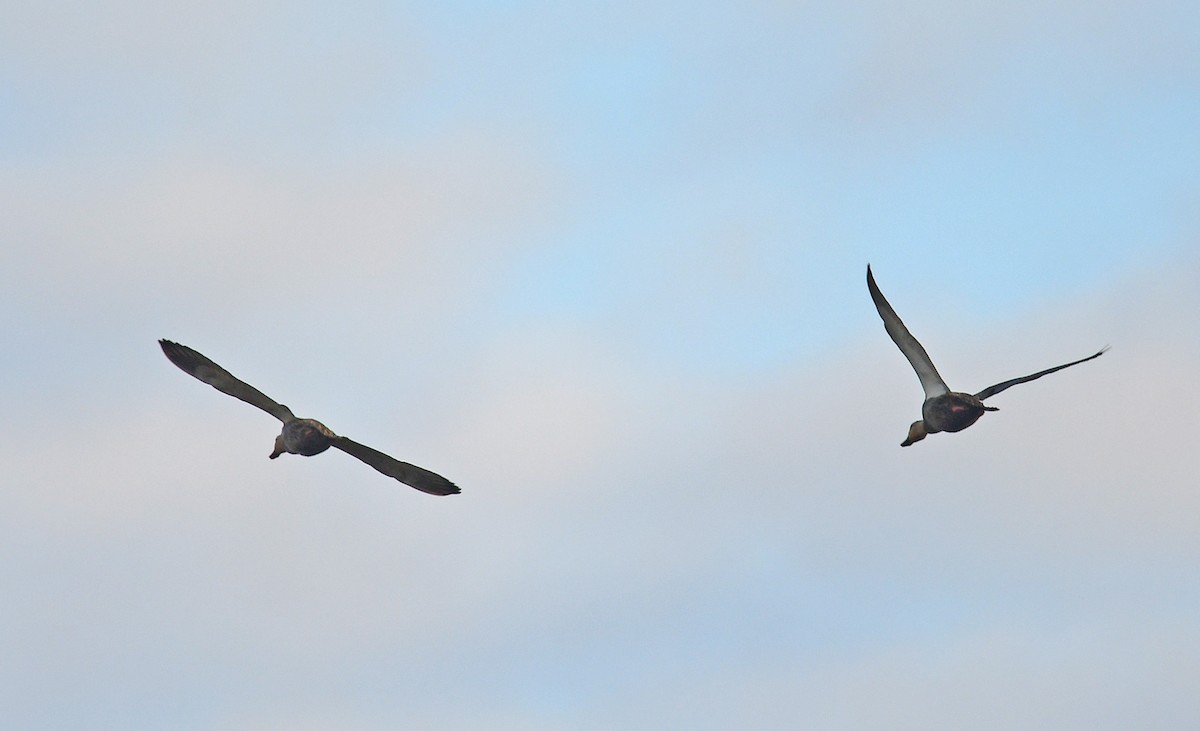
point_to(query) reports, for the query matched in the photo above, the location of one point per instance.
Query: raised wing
(993, 390)
(198, 366)
(409, 474)
(930, 380)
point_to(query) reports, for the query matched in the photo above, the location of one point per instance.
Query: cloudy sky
(602, 265)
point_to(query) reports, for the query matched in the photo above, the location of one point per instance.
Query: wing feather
(993, 390)
(410, 474)
(917, 357)
(200, 367)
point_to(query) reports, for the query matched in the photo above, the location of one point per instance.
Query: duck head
(916, 433)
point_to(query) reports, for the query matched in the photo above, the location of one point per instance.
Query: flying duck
(943, 410)
(302, 436)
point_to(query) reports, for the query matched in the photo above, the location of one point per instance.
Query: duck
(306, 437)
(943, 410)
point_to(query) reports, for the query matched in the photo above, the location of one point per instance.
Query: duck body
(949, 412)
(952, 412)
(304, 437)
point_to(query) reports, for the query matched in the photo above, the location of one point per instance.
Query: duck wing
(930, 380)
(993, 390)
(409, 474)
(200, 367)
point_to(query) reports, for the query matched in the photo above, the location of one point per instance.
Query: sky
(603, 266)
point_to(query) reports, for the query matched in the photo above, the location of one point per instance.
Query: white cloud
(276, 242)
(643, 540)
(612, 510)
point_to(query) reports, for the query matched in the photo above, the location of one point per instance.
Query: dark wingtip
(170, 349)
(448, 489)
(871, 281)
(181, 355)
(170, 346)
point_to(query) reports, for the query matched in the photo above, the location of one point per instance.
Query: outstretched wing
(993, 390)
(409, 474)
(930, 380)
(198, 366)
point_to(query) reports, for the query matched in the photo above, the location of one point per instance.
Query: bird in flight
(943, 410)
(302, 436)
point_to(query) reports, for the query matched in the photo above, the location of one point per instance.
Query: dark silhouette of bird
(943, 410)
(302, 436)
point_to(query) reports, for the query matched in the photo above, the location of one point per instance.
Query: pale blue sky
(603, 266)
